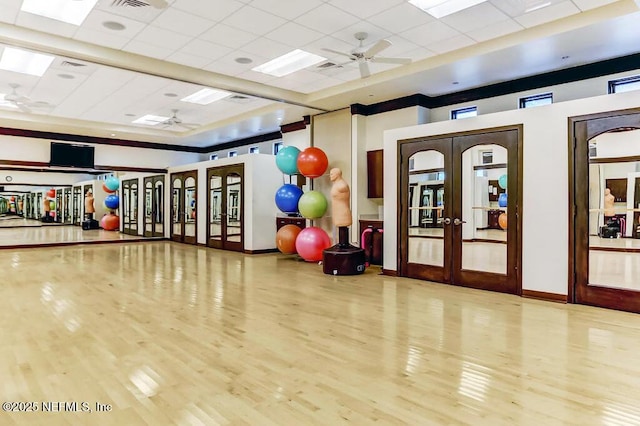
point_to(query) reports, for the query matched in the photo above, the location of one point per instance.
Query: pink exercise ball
(310, 243)
(110, 222)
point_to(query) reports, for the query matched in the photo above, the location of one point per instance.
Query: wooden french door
(67, 207)
(77, 205)
(464, 251)
(184, 212)
(154, 206)
(604, 219)
(130, 207)
(225, 220)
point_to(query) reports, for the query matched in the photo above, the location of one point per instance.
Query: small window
(254, 150)
(486, 157)
(624, 84)
(232, 154)
(276, 147)
(464, 112)
(536, 100)
(214, 156)
(412, 164)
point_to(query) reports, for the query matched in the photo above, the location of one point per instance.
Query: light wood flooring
(57, 234)
(175, 334)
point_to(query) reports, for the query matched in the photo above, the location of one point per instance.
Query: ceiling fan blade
(348, 55)
(22, 107)
(364, 69)
(378, 47)
(383, 60)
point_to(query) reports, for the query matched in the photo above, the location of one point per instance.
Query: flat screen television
(69, 155)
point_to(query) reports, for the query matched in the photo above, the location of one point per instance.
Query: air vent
(326, 65)
(72, 64)
(132, 3)
(239, 99)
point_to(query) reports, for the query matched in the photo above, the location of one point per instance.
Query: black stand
(343, 258)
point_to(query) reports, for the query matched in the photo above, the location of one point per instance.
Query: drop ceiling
(125, 62)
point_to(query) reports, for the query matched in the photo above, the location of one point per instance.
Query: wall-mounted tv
(69, 155)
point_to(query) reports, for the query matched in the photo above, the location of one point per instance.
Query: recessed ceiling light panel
(441, 8)
(289, 63)
(150, 120)
(206, 96)
(25, 62)
(70, 11)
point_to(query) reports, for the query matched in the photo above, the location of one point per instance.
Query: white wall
(545, 181)
(41, 178)
(261, 181)
(264, 147)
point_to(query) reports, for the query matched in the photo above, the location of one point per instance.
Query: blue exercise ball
(112, 202)
(112, 183)
(287, 160)
(502, 200)
(287, 197)
(502, 181)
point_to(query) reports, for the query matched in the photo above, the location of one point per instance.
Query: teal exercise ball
(312, 205)
(502, 181)
(112, 183)
(287, 160)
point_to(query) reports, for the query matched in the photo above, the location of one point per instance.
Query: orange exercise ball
(286, 238)
(502, 220)
(312, 162)
(110, 222)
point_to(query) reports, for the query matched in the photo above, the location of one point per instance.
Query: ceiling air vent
(326, 65)
(72, 64)
(239, 99)
(132, 3)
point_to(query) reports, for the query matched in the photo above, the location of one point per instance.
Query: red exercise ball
(110, 222)
(310, 243)
(107, 190)
(286, 238)
(312, 162)
(502, 220)
(51, 193)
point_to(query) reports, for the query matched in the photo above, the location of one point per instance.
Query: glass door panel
(234, 207)
(148, 207)
(225, 207)
(215, 208)
(191, 211)
(176, 208)
(158, 206)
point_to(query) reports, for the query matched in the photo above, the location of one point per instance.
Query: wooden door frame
(183, 177)
(152, 180)
(180, 207)
(582, 129)
(449, 185)
(126, 225)
(224, 171)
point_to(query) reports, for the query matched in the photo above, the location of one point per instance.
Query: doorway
(130, 207)
(154, 206)
(604, 173)
(77, 207)
(184, 212)
(448, 238)
(225, 224)
(67, 206)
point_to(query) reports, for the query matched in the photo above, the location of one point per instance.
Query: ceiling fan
(24, 103)
(174, 120)
(363, 55)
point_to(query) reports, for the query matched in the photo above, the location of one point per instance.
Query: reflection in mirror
(234, 224)
(426, 206)
(484, 209)
(176, 211)
(215, 212)
(134, 207)
(190, 207)
(148, 207)
(158, 210)
(614, 210)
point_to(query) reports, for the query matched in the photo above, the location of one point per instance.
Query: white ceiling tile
(293, 34)
(430, 33)
(228, 65)
(419, 54)
(256, 76)
(473, 18)
(182, 22)
(374, 32)
(547, 14)
(228, 36)
(146, 49)
(401, 18)
(365, 8)
(163, 38)
(101, 38)
(46, 25)
(97, 17)
(254, 21)
(265, 48)
(329, 43)
(9, 10)
(453, 43)
(205, 49)
(591, 4)
(205, 9)
(495, 30)
(144, 15)
(327, 19)
(319, 84)
(287, 9)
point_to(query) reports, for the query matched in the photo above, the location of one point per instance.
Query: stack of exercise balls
(111, 221)
(310, 241)
(502, 201)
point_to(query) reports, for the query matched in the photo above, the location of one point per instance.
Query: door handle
(446, 221)
(457, 221)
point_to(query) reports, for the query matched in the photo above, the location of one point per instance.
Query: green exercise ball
(312, 205)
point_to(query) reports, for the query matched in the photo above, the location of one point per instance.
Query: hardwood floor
(177, 334)
(57, 234)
